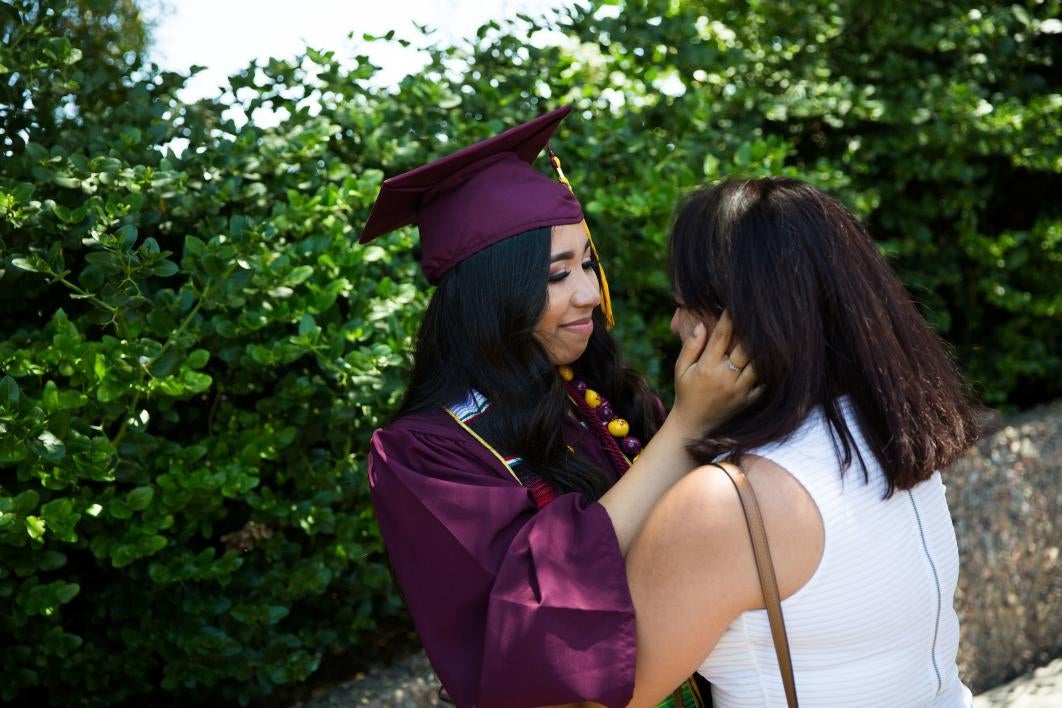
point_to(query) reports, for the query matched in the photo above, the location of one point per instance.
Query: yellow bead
(593, 398)
(566, 372)
(635, 459)
(619, 428)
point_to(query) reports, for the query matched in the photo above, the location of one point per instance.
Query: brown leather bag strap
(768, 582)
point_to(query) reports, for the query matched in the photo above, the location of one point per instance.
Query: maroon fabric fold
(514, 606)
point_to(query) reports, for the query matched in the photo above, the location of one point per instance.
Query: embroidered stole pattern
(475, 405)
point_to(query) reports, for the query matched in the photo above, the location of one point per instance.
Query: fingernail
(698, 330)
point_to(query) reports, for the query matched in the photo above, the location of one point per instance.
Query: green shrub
(937, 122)
(194, 355)
(193, 360)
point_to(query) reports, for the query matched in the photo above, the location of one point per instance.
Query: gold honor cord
(606, 299)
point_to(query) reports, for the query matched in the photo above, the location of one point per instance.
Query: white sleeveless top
(874, 626)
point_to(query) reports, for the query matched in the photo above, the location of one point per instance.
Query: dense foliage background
(193, 354)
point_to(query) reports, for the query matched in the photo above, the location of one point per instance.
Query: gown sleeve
(514, 606)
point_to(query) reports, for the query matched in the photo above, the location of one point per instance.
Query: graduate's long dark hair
(822, 315)
(477, 333)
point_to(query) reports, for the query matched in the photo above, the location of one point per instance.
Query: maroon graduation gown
(514, 606)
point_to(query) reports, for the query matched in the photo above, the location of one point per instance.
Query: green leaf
(31, 265)
(119, 509)
(159, 573)
(711, 166)
(123, 554)
(111, 390)
(165, 268)
(63, 214)
(298, 275)
(49, 447)
(224, 327)
(103, 259)
(25, 502)
(139, 498)
(72, 400)
(50, 397)
(198, 358)
(9, 393)
(151, 545)
(244, 614)
(59, 512)
(92, 278)
(34, 527)
(195, 381)
(128, 236)
(36, 152)
(743, 155)
(67, 182)
(307, 324)
(193, 246)
(50, 560)
(275, 613)
(237, 225)
(130, 136)
(22, 192)
(12, 450)
(262, 355)
(166, 364)
(68, 592)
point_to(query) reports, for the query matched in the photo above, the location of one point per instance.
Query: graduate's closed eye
(590, 264)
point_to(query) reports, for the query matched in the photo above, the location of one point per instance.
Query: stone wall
(1005, 501)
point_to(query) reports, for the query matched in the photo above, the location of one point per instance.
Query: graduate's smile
(584, 326)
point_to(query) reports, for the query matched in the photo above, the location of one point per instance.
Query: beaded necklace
(612, 430)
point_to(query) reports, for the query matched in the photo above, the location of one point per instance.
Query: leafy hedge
(193, 354)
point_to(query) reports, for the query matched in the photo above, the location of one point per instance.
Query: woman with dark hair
(512, 481)
(861, 405)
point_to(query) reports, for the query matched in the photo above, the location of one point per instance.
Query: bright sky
(224, 35)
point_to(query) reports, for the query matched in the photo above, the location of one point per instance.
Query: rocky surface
(409, 683)
(1005, 498)
(1005, 501)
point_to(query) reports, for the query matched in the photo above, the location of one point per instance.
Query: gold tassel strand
(606, 298)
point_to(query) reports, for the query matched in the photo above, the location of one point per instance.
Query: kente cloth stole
(464, 413)
(475, 405)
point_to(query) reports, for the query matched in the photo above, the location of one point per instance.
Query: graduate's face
(573, 292)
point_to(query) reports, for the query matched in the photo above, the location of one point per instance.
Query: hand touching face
(714, 377)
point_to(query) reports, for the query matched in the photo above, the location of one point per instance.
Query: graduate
(525, 457)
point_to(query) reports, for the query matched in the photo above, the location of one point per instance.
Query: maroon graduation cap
(476, 197)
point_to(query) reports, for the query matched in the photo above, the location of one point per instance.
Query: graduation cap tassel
(606, 299)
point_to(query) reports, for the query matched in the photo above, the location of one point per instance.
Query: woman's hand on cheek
(710, 384)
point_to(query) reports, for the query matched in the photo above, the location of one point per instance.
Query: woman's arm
(707, 392)
(691, 571)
